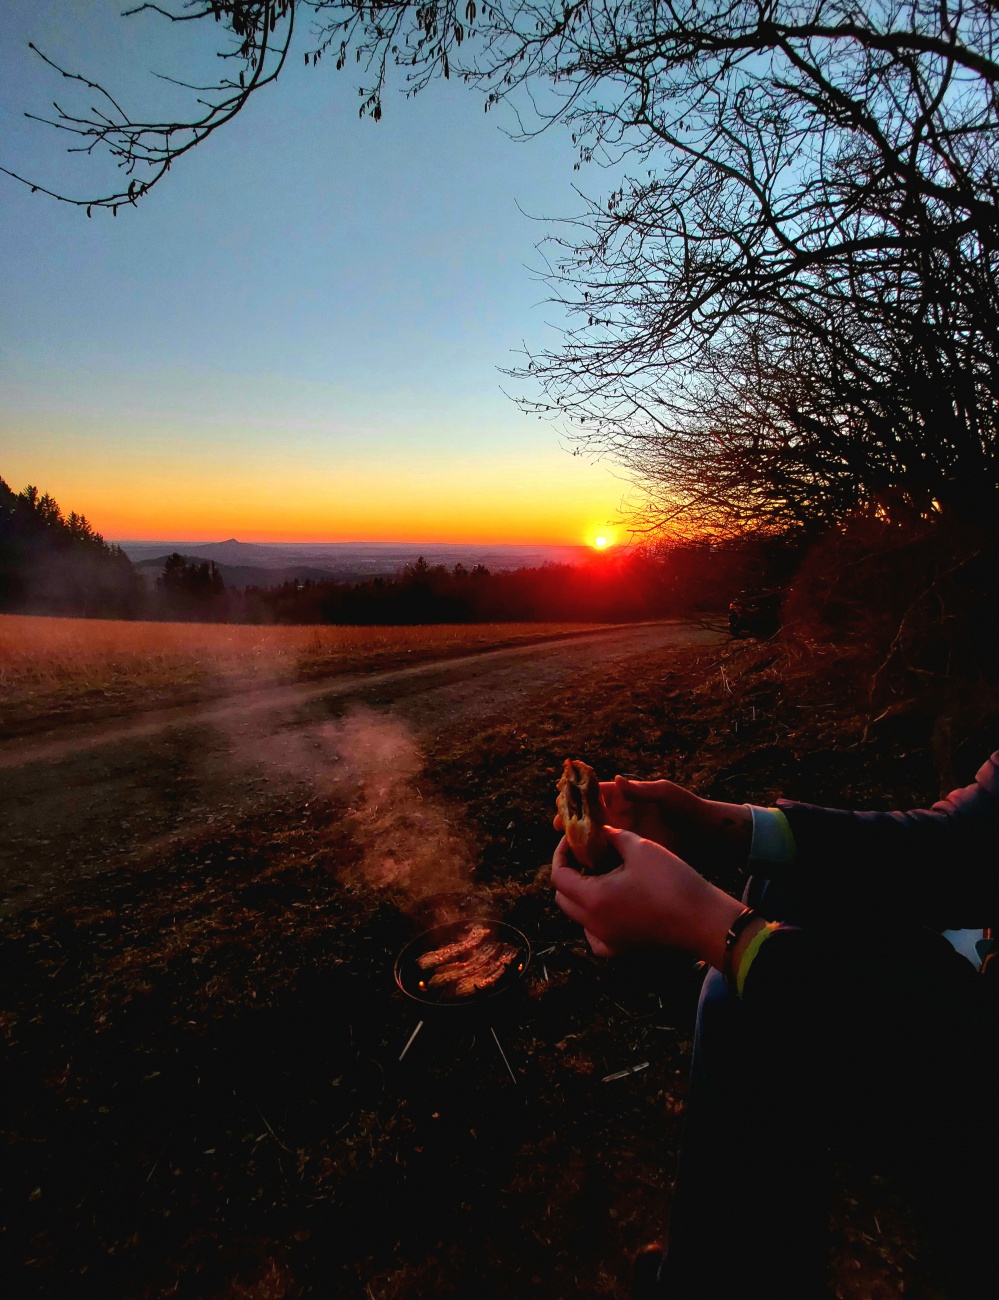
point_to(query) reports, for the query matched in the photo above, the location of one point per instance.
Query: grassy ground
(59, 670)
(205, 1091)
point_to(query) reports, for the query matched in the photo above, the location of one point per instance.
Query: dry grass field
(68, 669)
(202, 1052)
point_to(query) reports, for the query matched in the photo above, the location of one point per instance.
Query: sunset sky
(298, 335)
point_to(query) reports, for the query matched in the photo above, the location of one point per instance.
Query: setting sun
(600, 542)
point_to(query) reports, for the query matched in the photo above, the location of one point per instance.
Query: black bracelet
(745, 917)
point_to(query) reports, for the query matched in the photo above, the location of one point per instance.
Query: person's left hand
(653, 898)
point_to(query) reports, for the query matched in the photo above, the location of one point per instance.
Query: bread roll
(582, 812)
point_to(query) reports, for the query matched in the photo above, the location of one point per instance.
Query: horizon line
(174, 541)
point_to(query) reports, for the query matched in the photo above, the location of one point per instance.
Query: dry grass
(191, 1133)
(67, 669)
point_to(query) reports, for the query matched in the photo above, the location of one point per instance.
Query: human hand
(703, 832)
(653, 898)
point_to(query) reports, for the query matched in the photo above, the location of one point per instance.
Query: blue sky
(297, 335)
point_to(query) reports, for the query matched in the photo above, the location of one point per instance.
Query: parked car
(755, 613)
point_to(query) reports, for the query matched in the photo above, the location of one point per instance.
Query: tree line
(51, 563)
(647, 584)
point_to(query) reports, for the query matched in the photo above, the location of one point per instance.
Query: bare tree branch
(788, 310)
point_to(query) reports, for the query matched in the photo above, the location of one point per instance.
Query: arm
(655, 898)
(936, 865)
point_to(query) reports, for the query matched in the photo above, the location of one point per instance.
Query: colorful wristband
(749, 956)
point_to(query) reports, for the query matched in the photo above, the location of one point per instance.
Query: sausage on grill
(452, 951)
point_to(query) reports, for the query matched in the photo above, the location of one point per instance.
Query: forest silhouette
(57, 564)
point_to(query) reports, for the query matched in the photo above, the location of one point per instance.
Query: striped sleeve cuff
(772, 844)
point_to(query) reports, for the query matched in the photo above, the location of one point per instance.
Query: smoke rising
(409, 847)
(408, 843)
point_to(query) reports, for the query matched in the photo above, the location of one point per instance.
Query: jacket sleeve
(938, 865)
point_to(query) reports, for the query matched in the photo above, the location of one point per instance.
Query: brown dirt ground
(205, 1097)
(55, 672)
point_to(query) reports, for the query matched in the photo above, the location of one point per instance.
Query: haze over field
(249, 563)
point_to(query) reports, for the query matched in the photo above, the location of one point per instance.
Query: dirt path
(91, 799)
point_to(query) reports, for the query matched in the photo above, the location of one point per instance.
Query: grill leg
(499, 1046)
(412, 1039)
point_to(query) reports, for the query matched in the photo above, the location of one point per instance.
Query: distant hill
(233, 552)
(355, 561)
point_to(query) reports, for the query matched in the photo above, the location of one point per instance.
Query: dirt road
(86, 800)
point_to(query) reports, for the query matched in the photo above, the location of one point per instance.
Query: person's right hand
(703, 832)
(653, 897)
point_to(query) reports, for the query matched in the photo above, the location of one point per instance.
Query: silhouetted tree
(787, 310)
(58, 565)
(190, 589)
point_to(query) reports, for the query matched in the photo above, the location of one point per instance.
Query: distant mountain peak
(230, 549)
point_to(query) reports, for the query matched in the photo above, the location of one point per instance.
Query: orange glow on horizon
(548, 500)
(116, 525)
(487, 518)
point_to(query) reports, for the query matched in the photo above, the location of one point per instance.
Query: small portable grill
(414, 980)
